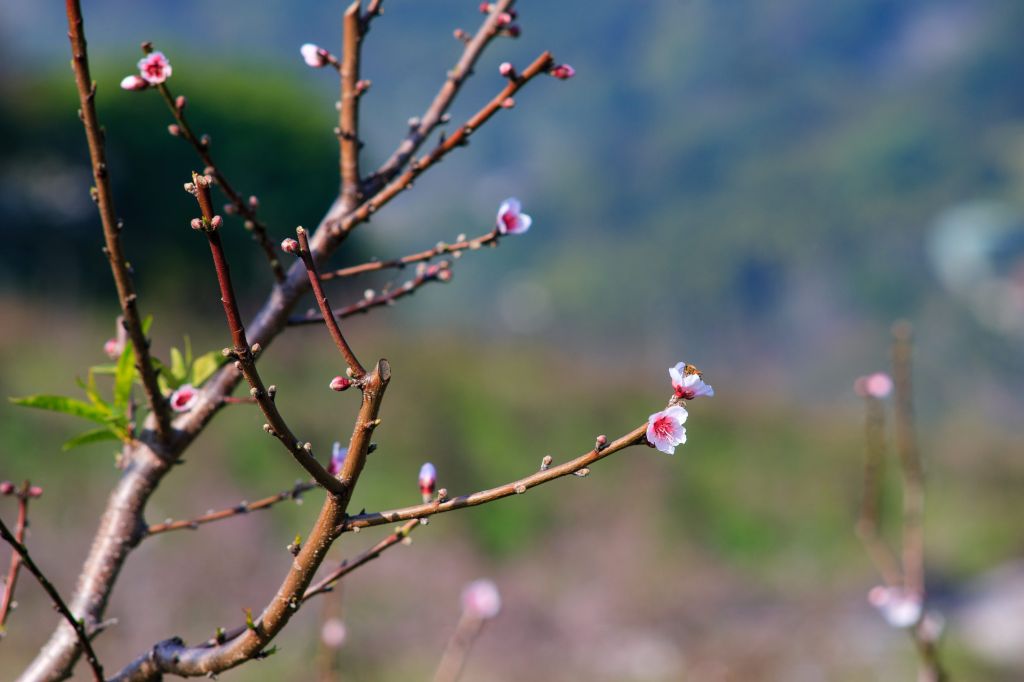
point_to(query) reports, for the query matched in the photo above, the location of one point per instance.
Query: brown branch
(58, 602)
(910, 459)
(243, 207)
(436, 273)
(172, 656)
(245, 360)
(457, 650)
(435, 113)
(869, 525)
(355, 368)
(294, 493)
(20, 525)
(456, 249)
(459, 138)
(103, 196)
(348, 112)
(517, 487)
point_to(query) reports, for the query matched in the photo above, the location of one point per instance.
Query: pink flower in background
(134, 82)
(563, 72)
(113, 348)
(154, 68)
(900, 608)
(665, 429)
(481, 599)
(333, 633)
(511, 219)
(338, 455)
(184, 398)
(688, 384)
(428, 480)
(314, 55)
(878, 385)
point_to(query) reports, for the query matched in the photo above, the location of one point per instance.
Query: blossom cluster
(665, 429)
(154, 69)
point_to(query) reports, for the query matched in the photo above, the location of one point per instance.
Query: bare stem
(348, 113)
(910, 458)
(111, 225)
(868, 525)
(293, 493)
(325, 307)
(457, 650)
(58, 602)
(491, 238)
(20, 526)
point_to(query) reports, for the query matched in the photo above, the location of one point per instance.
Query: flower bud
(340, 383)
(508, 103)
(563, 72)
(507, 70)
(197, 224)
(428, 479)
(180, 102)
(113, 348)
(289, 245)
(174, 129)
(333, 633)
(133, 82)
(314, 55)
(481, 599)
(35, 491)
(216, 222)
(6, 487)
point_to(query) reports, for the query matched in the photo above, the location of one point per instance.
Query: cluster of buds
(8, 488)
(204, 225)
(665, 429)
(154, 69)
(878, 385)
(442, 271)
(427, 481)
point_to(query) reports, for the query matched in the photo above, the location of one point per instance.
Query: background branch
(456, 249)
(20, 526)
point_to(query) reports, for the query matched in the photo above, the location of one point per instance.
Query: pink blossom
(134, 82)
(878, 385)
(900, 608)
(563, 71)
(184, 398)
(154, 68)
(113, 348)
(333, 633)
(688, 385)
(511, 220)
(481, 599)
(428, 479)
(314, 55)
(665, 429)
(338, 455)
(340, 383)
(506, 69)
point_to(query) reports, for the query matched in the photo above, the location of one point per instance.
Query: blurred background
(757, 188)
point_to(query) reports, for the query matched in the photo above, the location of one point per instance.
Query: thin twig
(435, 113)
(457, 650)
(517, 487)
(456, 249)
(436, 273)
(243, 207)
(58, 602)
(103, 196)
(20, 526)
(244, 355)
(293, 493)
(458, 138)
(373, 10)
(869, 525)
(355, 368)
(910, 458)
(348, 112)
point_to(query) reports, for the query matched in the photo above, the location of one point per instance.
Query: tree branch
(348, 113)
(293, 493)
(58, 602)
(456, 249)
(20, 525)
(104, 199)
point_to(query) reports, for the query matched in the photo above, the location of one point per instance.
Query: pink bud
(253, 201)
(180, 102)
(133, 82)
(878, 385)
(506, 69)
(216, 222)
(314, 55)
(563, 71)
(289, 245)
(333, 633)
(601, 441)
(35, 491)
(340, 383)
(113, 348)
(504, 19)
(197, 224)
(427, 481)
(174, 130)
(481, 599)
(508, 103)
(485, 7)
(6, 487)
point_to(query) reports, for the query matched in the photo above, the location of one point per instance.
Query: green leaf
(59, 403)
(124, 376)
(205, 365)
(179, 370)
(109, 368)
(92, 436)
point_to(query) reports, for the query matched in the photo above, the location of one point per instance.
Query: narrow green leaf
(109, 368)
(59, 403)
(92, 436)
(205, 365)
(179, 370)
(124, 376)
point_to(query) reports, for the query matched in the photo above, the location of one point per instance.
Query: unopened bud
(197, 224)
(133, 82)
(601, 442)
(216, 222)
(508, 103)
(35, 491)
(253, 201)
(427, 481)
(563, 72)
(180, 102)
(340, 383)
(481, 599)
(507, 70)
(6, 487)
(289, 245)
(174, 130)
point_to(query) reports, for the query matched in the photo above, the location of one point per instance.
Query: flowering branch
(461, 244)
(246, 209)
(58, 602)
(293, 493)
(440, 272)
(460, 137)
(355, 368)
(244, 354)
(23, 494)
(547, 473)
(104, 199)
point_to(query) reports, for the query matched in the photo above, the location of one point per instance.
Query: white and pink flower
(184, 398)
(665, 429)
(878, 385)
(481, 599)
(154, 68)
(899, 607)
(511, 219)
(427, 481)
(688, 384)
